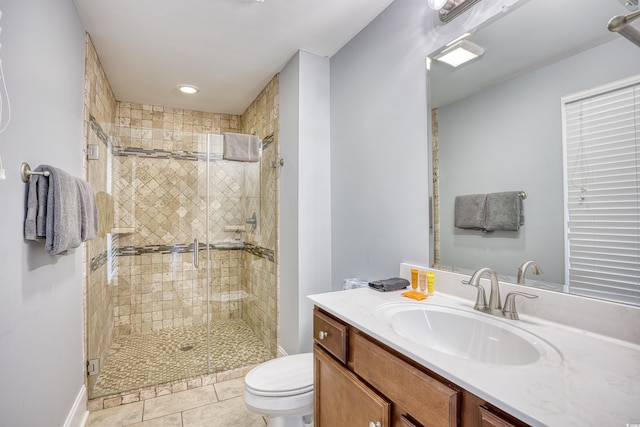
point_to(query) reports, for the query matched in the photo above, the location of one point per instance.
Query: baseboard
(78, 415)
(281, 352)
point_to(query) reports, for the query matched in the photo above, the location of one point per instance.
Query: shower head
(617, 23)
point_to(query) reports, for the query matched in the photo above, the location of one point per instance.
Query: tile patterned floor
(216, 405)
(143, 360)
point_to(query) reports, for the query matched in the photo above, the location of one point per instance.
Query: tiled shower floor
(144, 360)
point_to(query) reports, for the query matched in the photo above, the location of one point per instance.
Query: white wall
(41, 318)
(515, 143)
(379, 147)
(380, 154)
(305, 200)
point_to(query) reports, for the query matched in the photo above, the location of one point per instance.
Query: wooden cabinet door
(342, 400)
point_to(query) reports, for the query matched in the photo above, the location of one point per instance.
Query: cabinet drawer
(406, 422)
(489, 419)
(331, 334)
(429, 402)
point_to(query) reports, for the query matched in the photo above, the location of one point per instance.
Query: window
(601, 132)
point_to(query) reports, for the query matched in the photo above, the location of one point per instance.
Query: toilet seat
(281, 377)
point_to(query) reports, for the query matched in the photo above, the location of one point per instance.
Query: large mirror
(497, 126)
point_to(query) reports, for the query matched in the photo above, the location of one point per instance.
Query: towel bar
(26, 172)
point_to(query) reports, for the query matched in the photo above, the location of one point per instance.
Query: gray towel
(469, 211)
(88, 211)
(504, 211)
(36, 212)
(53, 210)
(241, 147)
(393, 284)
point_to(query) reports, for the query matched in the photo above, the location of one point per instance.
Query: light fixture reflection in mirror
(437, 4)
(449, 9)
(460, 53)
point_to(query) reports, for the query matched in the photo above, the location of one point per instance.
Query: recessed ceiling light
(190, 89)
(460, 53)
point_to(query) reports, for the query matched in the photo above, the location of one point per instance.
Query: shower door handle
(196, 253)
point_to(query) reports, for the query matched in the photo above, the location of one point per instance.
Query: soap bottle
(431, 279)
(414, 279)
(422, 275)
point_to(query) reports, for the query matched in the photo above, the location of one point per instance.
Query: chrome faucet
(494, 296)
(494, 307)
(535, 269)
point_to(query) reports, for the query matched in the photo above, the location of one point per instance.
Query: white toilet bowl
(282, 391)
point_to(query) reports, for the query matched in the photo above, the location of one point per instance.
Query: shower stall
(182, 278)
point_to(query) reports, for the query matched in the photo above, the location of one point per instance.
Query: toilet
(282, 391)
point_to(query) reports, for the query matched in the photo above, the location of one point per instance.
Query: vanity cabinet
(361, 382)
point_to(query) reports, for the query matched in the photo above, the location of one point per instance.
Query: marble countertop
(597, 382)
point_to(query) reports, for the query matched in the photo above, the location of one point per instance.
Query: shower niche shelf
(123, 230)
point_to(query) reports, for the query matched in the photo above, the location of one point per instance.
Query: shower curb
(165, 389)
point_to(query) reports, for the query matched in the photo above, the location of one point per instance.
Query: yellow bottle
(431, 282)
(414, 279)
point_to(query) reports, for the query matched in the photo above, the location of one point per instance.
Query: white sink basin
(466, 334)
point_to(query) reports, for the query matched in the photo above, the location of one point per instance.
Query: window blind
(602, 191)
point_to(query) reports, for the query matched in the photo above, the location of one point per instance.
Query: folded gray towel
(469, 211)
(88, 211)
(504, 211)
(241, 147)
(392, 284)
(53, 210)
(43, 195)
(32, 220)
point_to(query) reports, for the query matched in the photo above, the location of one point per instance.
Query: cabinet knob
(376, 424)
(322, 334)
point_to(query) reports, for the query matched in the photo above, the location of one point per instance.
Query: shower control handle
(196, 253)
(322, 334)
(253, 221)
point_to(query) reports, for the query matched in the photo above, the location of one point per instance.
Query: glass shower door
(147, 303)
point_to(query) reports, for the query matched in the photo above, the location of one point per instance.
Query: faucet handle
(481, 299)
(510, 304)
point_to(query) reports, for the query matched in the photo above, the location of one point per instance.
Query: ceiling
(534, 34)
(229, 49)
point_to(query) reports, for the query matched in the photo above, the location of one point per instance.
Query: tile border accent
(100, 133)
(259, 251)
(156, 153)
(268, 140)
(98, 261)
